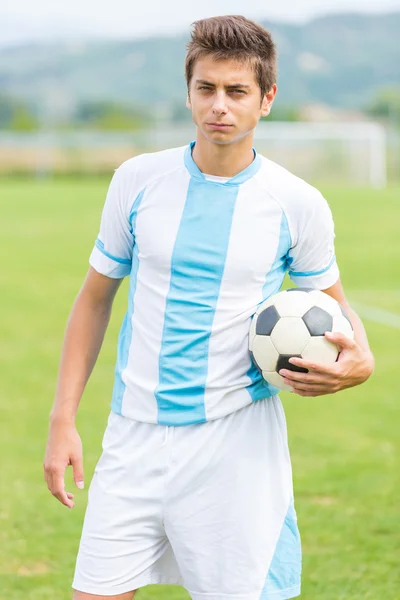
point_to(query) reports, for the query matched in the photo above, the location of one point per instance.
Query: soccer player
(194, 485)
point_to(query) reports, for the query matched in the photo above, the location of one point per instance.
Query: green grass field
(344, 448)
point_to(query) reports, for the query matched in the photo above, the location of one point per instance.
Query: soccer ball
(293, 323)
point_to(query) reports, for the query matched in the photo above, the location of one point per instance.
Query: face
(225, 100)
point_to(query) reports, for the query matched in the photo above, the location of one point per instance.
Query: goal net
(339, 153)
(345, 153)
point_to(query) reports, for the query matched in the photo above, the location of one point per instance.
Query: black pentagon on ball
(300, 289)
(283, 363)
(318, 321)
(266, 321)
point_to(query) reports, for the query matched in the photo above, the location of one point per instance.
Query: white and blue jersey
(202, 254)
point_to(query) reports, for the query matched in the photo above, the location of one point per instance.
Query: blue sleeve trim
(312, 273)
(123, 261)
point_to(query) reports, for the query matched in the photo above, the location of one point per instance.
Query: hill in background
(339, 60)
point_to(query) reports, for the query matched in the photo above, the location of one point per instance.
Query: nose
(219, 105)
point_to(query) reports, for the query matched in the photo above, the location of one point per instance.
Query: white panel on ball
(275, 379)
(293, 304)
(319, 349)
(342, 325)
(326, 302)
(269, 302)
(265, 352)
(290, 335)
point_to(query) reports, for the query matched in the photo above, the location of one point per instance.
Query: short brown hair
(233, 37)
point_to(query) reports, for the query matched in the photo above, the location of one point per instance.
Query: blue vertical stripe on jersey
(197, 267)
(284, 573)
(276, 275)
(259, 388)
(125, 334)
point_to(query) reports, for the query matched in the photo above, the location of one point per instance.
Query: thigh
(83, 596)
(123, 545)
(230, 515)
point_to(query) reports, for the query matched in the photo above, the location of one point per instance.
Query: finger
(308, 387)
(315, 367)
(63, 498)
(57, 488)
(77, 465)
(341, 340)
(311, 391)
(305, 394)
(302, 377)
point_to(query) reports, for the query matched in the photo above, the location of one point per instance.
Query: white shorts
(206, 506)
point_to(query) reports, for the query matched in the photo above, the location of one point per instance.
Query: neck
(223, 160)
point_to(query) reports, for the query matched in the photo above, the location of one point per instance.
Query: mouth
(218, 126)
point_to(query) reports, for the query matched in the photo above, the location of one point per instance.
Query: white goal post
(345, 154)
(349, 154)
(357, 150)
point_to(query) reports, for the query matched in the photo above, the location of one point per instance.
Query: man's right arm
(84, 335)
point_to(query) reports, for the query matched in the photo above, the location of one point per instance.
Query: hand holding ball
(293, 323)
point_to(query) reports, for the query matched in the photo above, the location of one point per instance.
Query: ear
(188, 102)
(268, 100)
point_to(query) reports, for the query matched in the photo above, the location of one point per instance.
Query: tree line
(102, 115)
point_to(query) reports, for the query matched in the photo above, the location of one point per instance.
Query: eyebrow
(232, 85)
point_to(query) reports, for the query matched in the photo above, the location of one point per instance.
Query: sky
(26, 20)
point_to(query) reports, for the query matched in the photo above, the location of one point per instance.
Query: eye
(238, 91)
(204, 87)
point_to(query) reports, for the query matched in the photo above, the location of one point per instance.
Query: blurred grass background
(344, 448)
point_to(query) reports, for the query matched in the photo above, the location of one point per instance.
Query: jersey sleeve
(312, 261)
(112, 252)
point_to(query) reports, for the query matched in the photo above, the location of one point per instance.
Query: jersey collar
(239, 178)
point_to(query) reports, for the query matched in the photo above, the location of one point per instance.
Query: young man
(194, 486)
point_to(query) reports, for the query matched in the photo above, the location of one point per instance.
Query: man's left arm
(354, 366)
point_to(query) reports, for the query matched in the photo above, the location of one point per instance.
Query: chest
(208, 231)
